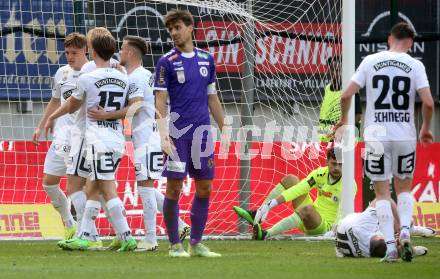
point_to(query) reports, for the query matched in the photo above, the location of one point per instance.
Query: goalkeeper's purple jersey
(186, 77)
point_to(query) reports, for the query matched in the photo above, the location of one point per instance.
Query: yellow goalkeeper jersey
(328, 194)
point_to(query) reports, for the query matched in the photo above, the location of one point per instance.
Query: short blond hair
(97, 31)
(104, 45)
(75, 40)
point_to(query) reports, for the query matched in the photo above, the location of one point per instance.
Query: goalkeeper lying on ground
(358, 234)
(312, 217)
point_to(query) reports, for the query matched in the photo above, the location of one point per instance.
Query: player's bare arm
(425, 134)
(98, 113)
(52, 106)
(217, 112)
(161, 115)
(346, 97)
(70, 106)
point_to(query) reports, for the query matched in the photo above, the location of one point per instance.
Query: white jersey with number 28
(391, 80)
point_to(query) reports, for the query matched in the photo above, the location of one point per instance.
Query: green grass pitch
(241, 259)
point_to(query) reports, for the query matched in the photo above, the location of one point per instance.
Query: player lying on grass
(56, 161)
(358, 234)
(312, 217)
(148, 157)
(392, 78)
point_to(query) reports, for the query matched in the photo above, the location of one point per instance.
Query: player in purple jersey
(187, 76)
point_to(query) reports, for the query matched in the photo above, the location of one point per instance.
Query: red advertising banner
(273, 54)
(21, 172)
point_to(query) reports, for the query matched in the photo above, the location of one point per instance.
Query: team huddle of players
(90, 99)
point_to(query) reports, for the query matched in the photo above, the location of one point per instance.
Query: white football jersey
(80, 116)
(144, 122)
(64, 83)
(391, 80)
(359, 228)
(106, 87)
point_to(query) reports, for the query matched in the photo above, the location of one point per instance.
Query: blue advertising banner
(31, 46)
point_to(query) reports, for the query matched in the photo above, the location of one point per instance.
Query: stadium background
(29, 59)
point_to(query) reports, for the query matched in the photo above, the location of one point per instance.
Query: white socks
(386, 223)
(91, 212)
(149, 205)
(59, 202)
(106, 211)
(117, 213)
(79, 200)
(405, 203)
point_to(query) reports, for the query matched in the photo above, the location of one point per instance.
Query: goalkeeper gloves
(262, 212)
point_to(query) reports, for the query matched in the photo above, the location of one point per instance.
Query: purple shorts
(192, 156)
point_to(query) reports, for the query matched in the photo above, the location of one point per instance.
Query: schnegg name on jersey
(391, 116)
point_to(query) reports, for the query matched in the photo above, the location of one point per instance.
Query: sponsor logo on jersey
(178, 64)
(355, 242)
(326, 194)
(202, 55)
(151, 81)
(132, 88)
(65, 74)
(138, 167)
(181, 76)
(106, 81)
(392, 63)
(161, 80)
(108, 124)
(210, 163)
(175, 166)
(67, 94)
(311, 181)
(204, 71)
(206, 63)
(173, 57)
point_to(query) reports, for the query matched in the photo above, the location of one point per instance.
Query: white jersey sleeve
(56, 88)
(144, 123)
(421, 78)
(80, 92)
(138, 84)
(360, 76)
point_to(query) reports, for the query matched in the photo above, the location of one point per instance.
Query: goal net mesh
(271, 60)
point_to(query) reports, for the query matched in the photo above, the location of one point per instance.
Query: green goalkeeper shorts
(324, 227)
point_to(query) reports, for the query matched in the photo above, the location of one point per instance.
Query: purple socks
(171, 217)
(199, 216)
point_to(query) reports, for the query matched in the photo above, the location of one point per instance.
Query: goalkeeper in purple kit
(186, 75)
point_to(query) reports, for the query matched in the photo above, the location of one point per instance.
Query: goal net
(272, 68)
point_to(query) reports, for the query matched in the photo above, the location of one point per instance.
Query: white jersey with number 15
(105, 87)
